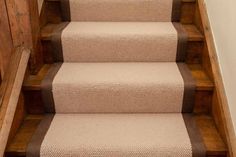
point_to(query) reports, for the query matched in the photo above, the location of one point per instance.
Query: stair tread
(121, 87)
(121, 41)
(203, 82)
(192, 31)
(117, 133)
(138, 10)
(212, 140)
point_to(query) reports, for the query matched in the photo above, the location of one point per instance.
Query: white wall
(222, 14)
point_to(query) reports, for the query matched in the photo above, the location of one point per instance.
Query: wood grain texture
(6, 46)
(25, 30)
(202, 79)
(222, 113)
(10, 91)
(17, 147)
(212, 140)
(18, 117)
(187, 11)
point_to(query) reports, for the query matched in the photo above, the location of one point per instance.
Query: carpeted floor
(120, 87)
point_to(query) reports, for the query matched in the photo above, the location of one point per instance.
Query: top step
(121, 10)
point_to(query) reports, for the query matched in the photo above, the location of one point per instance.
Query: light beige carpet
(119, 41)
(119, 10)
(116, 135)
(119, 91)
(118, 87)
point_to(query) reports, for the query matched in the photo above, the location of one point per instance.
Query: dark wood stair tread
(193, 33)
(203, 82)
(213, 142)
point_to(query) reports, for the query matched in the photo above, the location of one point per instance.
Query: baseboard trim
(219, 86)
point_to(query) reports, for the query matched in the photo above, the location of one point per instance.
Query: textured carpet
(121, 10)
(115, 135)
(121, 41)
(119, 88)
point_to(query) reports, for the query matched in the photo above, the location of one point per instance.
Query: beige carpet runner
(116, 135)
(140, 87)
(120, 87)
(121, 10)
(120, 41)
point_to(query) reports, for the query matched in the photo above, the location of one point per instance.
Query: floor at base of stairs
(212, 140)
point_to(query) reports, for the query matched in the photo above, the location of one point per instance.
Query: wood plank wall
(19, 25)
(6, 46)
(25, 30)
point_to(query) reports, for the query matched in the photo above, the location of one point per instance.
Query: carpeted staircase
(120, 87)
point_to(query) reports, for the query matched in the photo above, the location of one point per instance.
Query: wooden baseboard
(223, 113)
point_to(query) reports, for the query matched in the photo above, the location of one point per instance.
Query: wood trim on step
(224, 113)
(176, 10)
(65, 8)
(46, 85)
(198, 148)
(182, 42)
(34, 146)
(57, 43)
(189, 88)
(10, 92)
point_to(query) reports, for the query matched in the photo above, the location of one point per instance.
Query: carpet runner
(120, 87)
(120, 10)
(160, 87)
(120, 41)
(116, 135)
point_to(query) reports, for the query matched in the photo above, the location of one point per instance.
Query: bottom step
(102, 133)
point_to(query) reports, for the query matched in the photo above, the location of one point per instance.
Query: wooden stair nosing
(192, 31)
(212, 140)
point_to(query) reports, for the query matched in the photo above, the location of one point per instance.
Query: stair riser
(34, 103)
(188, 12)
(53, 12)
(194, 52)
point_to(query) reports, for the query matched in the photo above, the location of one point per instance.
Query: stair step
(139, 10)
(137, 87)
(193, 33)
(87, 53)
(203, 82)
(53, 14)
(121, 42)
(211, 138)
(34, 104)
(171, 134)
